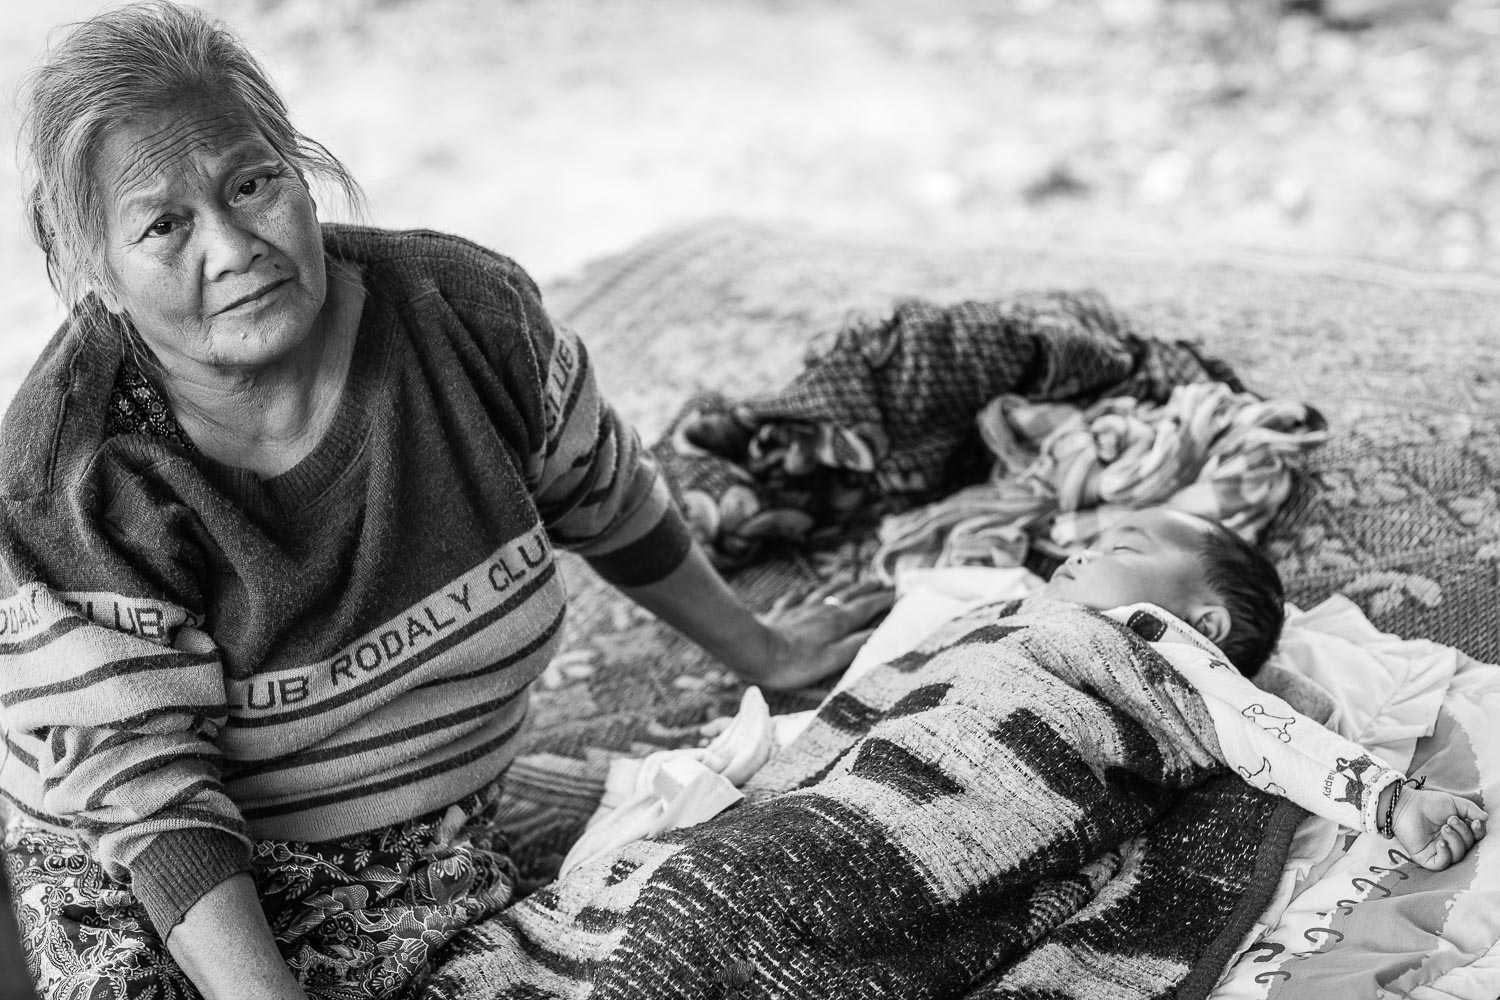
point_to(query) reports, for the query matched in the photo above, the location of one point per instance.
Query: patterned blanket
(884, 417)
(992, 816)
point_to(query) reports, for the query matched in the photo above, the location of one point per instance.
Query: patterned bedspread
(1013, 778)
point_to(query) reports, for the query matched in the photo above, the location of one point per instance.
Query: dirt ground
(559, 131)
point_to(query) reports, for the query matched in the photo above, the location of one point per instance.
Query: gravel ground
(564, 130)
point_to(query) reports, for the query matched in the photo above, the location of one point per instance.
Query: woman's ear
(1213, 621)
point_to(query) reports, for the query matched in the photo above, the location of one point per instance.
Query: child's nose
(1082, 556)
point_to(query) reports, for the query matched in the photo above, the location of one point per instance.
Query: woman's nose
(230, 247)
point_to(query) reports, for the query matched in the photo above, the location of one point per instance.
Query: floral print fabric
(138, 407)
(362, 917)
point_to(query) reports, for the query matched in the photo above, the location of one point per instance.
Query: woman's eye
(161, 227)
(254, 185)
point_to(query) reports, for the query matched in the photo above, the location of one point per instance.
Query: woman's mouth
(254, 296)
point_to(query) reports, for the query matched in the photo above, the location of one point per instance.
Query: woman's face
(213, 244)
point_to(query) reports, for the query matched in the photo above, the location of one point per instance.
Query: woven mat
(1401, 511)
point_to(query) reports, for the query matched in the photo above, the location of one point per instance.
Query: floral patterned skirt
(363, 917)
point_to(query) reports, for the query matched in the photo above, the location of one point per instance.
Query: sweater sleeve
(110, 701)
(595, 487)
(598, 491)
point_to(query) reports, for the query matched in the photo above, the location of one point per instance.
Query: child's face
(1149, 557)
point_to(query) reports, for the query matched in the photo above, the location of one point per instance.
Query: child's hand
(1435, 827)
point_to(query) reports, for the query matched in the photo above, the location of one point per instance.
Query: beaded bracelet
(1388, 831)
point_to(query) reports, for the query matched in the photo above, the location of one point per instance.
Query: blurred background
(564, 130)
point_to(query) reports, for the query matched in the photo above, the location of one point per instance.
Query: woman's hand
(815, 636)
(1435, 827)
(798, 642)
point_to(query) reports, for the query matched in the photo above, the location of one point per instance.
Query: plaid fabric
(931, 827)
(884, 418)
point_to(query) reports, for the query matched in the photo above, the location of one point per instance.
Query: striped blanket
(1029, 805)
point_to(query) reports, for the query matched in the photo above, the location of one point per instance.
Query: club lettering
(17, 617)
(461, 599)
(272, 692)
(147, 622)
(502, 576)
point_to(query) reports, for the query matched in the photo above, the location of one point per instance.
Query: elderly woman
(277, 559)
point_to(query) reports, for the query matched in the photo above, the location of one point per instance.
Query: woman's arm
(225, 946)
(796, 644)
(600, 495)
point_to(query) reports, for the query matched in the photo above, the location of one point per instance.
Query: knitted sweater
(191, 656)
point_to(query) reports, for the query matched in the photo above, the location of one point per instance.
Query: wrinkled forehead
(173, 143)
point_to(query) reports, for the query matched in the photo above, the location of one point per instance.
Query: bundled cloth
(1028, 805)
(884, 418)
(1063, 473)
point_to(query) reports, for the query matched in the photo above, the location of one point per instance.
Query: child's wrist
(1393, 804)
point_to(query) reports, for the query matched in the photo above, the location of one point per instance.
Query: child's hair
(1251, 590)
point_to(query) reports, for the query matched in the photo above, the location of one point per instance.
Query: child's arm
(1279, 750)
(1436, 828)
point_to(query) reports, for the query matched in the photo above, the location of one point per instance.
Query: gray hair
(121, 66)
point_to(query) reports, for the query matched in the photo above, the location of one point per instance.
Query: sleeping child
(1204, 599)
(1210, 579)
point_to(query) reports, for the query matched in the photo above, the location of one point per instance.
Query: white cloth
(1388, 689)
(676, 788)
